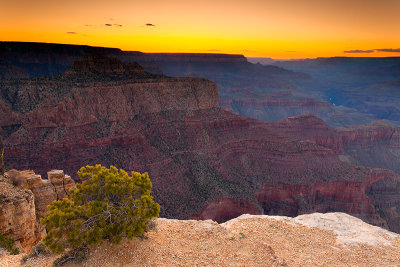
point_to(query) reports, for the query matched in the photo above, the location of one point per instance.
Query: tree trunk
(1, 156)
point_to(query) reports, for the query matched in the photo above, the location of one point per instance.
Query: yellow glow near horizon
(264, 28)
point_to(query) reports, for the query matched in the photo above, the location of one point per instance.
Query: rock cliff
(18, 216)
(24, 197)
(204, 162)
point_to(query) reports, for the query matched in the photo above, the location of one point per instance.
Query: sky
(256, 28)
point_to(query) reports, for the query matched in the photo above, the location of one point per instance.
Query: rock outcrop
(56, 187)
(204, 162)
(24, 197)
(18, 216)
(250, 240)
(99, 67)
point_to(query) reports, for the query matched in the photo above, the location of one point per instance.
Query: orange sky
(266, 28)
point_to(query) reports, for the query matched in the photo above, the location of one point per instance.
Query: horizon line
(204, 52)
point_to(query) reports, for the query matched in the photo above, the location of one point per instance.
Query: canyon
(342, 91)
(204, 161)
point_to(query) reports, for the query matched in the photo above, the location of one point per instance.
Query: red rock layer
(204, 162)
(376, 145)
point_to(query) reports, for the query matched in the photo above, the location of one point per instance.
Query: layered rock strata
(204, 162)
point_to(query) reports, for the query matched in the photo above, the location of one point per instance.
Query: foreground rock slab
(249, 240)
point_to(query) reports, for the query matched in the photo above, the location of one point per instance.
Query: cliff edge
(332, 239)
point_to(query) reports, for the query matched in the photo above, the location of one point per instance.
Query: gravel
(244, 241)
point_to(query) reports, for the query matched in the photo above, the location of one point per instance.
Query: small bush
(15, 177)
(108, 205)
(75, 256)
(17, 180)
(36, 251)
(8, 244)
(151, 225)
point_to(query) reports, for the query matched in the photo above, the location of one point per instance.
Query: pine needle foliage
(8, 244)
(110, 204)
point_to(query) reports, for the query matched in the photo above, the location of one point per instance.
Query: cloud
(150, 25)
(358, 51)
(291, 51)
(106, 25)
(71, 32)
(391, 50)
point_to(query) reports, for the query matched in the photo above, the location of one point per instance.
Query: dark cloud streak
(390, 50)
(150, 25)
(358, 51)
(103, 25)
(71, 32)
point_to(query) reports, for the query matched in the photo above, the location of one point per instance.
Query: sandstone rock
(18, 216)
(349, 230)
(24, 197)
(62, 183)
(45, 191)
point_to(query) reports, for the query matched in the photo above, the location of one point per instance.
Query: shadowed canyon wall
(204, 162)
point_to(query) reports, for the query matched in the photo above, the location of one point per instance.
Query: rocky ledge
(332, 239)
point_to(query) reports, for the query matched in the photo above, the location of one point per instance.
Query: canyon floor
(331, 239)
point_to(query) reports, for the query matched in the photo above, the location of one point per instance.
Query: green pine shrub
(8, 244)
(108, 205)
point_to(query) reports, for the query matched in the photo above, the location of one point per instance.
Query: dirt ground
(244, 241)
